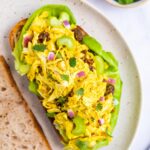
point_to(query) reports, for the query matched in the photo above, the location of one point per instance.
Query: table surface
(134, 25)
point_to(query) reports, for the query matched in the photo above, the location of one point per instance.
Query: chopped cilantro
(39, 47)
(80, 92)
(50, 115)
(65, 77)
(72, 62)
(99, 107)
(61, 100)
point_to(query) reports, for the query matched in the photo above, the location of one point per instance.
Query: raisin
(84, 51)
(43, 36)
(71, 93)
(109, 89)
(91, 68)
(79, 33)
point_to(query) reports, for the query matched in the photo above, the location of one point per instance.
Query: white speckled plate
(98, 26)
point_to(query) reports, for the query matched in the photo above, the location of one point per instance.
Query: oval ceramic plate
(99, 27)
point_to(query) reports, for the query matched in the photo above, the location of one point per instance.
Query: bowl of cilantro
(126, 3)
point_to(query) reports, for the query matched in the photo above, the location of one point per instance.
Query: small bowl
(113, 2)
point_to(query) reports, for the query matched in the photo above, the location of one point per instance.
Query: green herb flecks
(72, 62)
(58, 55)
(99, 107)
(39, 47)
(61, 101)
(80, 92)
(50, 114)
(65, 77)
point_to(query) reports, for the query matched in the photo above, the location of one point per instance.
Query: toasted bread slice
(18, 128)
(15, 32)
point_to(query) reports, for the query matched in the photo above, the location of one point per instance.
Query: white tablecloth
(134, 24)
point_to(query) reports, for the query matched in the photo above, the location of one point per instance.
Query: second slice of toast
(18, 128)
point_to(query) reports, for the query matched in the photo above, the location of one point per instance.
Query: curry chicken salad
(77, 82)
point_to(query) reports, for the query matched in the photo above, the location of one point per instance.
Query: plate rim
(89, 4)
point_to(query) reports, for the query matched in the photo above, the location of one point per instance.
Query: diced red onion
(81, 74)
(26, 41)
(102, 98)
(70, 113)
(101, 121)
(110, 81)
(66, 24)
(51, 56)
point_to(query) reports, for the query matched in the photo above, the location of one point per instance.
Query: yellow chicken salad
(77, 82)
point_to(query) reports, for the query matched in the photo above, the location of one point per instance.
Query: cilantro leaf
(65, 77)
(39, 47)
(99, 107)
(80, 92)
(61, 100)
(72, 62)
(50, 115)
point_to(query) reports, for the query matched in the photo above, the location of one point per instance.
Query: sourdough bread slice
(18, 128)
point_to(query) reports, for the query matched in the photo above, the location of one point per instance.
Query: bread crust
(10, 79)
(15, 32)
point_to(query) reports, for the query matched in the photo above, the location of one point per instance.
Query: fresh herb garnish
(99, 107)
(61, 100)
(80, 92)
(50, 114)
(72, 62)
(65, 77)
(39, 47)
